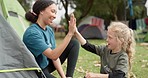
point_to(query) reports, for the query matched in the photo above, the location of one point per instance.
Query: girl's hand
(92, 75)
(72, 24)
(96, 75)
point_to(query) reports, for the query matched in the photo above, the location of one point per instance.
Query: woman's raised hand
(72, 24)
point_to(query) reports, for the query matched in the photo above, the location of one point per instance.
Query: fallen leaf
(144, 44)
(80, 69)
(144, 61)
(143, 66)
(97, 63)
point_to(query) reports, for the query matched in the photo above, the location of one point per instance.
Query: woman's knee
(75, 43)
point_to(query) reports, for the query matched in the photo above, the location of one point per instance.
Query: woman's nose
(54, 16)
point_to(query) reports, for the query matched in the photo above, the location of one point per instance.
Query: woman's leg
(47, 73)
(71, 54)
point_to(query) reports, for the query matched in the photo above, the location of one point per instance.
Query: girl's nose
(106, 39)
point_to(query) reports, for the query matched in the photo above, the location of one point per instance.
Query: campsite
(18, 62)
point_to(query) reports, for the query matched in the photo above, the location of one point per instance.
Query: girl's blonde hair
(126, 36)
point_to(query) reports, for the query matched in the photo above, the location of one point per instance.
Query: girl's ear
(122, 40)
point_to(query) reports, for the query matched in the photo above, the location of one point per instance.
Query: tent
(92, 27)
(16, 61)
(14, 13)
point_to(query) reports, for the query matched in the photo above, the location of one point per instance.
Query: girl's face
(112, 42)
(49, 14)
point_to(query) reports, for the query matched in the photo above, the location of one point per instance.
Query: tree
(79, 3)
(83, 8)
(116, 10)
(25, 5)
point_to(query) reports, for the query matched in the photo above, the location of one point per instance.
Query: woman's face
(49, 14)
(112, 41)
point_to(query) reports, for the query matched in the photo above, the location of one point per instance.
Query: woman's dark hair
(38, 6)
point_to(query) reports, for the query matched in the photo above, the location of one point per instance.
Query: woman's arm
(58, 66)
(54, 54)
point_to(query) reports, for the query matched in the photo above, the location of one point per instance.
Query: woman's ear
(41, 12)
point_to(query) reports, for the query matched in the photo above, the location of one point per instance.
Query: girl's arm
(58, 66)
(86, 45)
(80, 38)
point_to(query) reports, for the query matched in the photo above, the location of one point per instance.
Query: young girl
(116, 56)
(39, 39)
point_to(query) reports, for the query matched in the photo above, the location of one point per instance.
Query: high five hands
(72, 24)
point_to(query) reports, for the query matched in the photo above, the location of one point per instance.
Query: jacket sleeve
(117, 74)
(93, 48)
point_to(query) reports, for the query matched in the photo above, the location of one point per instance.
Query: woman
(116, 56)
(39, 39)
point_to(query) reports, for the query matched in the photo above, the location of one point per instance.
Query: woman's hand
(72, 24)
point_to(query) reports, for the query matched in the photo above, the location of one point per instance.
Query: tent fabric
(91, 32)
(92, 20)
(14, 13)
(92, 27)
(15, 59)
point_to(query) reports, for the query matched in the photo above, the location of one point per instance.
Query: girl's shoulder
(123, 53)
(123, 56)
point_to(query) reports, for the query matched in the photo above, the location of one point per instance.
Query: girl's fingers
(72, 17)
(72, 22)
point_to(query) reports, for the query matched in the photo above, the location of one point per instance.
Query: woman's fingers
(72, 20)
(72, 24)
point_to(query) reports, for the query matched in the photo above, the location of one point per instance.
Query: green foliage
(25, 5)
(112, 9)
(106, 9)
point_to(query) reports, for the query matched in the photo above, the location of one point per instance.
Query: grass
(87, 61)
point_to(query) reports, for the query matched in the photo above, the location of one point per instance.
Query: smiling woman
(49, 14)
(39, 39)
